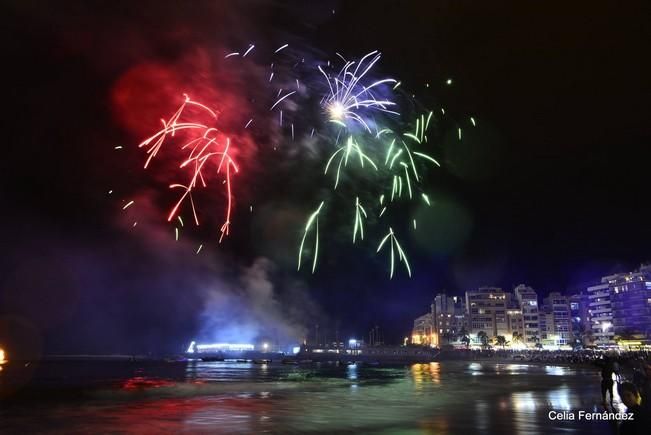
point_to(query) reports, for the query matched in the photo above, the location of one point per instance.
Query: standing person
(642, 380)
(607, 370)
(634, 405)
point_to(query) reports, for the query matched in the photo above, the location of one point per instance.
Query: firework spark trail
(347, 95)
(281, 99)
(395, 246)
(251, 47)
(396, 155)
(313, 219)
(171, 127)
(348, 102)
(401, 156)
(351, 147)
(282, 47)
(203, 148)
(359, 222)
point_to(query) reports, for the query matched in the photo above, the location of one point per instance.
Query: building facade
(423, 332)
(486, 310)
(579, 305)
(556, 329)
(528, 300)
(617, 310)
(449, 317)
(601, 313)
(514, 321)
(630, 295)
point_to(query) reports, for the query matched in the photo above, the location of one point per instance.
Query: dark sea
(92, 397)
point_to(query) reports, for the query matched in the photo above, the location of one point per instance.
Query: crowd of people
(631, 374)
(627, 373)
(548, 356)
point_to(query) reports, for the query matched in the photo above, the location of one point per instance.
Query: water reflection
(229, 397)
(523, 402)
(515, 368)
(555, 370)
(351, 372)
(426, 373)
(559, 400)
(481, 415)
(475, 368)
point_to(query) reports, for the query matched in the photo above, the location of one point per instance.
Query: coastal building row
(618, 309)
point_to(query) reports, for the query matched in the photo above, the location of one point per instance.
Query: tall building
(556, 327)
(600, 312)
(580, 317)
(514, 319)
(486, 309)
(448, 313)
(528, 301)
(630, 295)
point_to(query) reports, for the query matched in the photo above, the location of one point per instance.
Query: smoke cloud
(143, 292)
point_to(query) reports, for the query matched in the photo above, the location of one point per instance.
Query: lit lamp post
(265, 346)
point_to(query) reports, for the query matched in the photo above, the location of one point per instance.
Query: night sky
(551, 189)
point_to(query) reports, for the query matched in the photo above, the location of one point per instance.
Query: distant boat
(212, 358)
(261, 361)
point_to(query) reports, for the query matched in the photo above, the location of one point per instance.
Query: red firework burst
(206, 144)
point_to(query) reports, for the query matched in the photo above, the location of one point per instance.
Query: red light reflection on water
(140, 382)
(217, 415)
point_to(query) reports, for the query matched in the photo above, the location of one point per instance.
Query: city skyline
(617, 268)
(615, 311)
